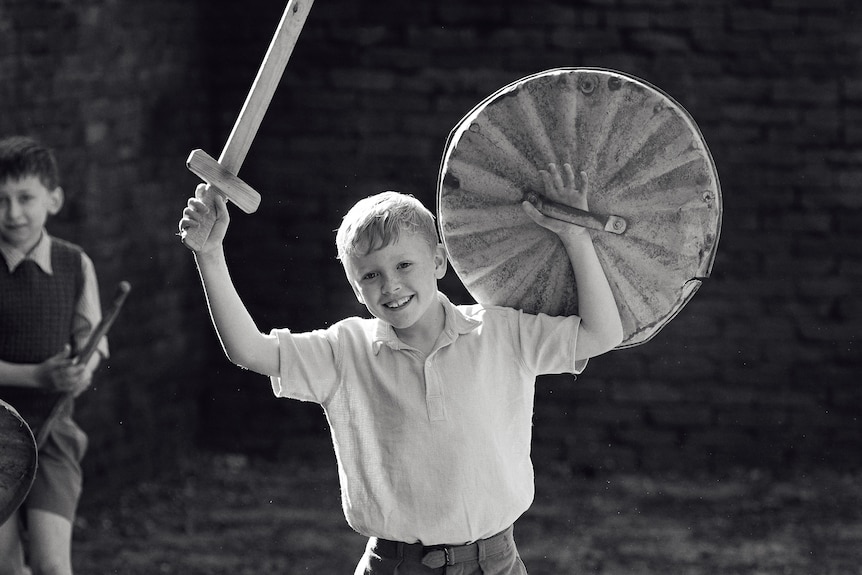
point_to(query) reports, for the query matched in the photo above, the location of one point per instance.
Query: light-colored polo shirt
(433, 449)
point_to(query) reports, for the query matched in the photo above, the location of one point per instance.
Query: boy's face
(398, 282)
(25, 204)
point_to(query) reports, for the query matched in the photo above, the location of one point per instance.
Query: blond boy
(429, 404)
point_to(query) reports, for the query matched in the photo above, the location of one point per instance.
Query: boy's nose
(391, 285)
(13, 210)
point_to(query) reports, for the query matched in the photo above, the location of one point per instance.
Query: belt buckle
(437, 558)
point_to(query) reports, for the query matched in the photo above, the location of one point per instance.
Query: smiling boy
(429, 404)
(394, 272)
(49, 303)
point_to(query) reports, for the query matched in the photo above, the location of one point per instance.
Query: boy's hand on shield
(195, 215)
(562, 188)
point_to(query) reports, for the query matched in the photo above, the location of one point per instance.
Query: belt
(436, 556)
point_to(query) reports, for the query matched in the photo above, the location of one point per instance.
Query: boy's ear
(56, 197)
(439, 261)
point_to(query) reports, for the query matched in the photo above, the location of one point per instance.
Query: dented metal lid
(18, 457)
(655, 200)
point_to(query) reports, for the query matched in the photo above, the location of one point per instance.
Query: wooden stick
(101, 330)
(84, 356)
(247, 123)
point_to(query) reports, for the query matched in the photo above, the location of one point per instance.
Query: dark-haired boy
(49, 304)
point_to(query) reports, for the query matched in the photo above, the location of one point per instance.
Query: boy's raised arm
(242, 341)
(601, 327)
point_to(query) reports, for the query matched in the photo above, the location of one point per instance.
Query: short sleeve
(548, 343)
(88, 311)
(307, 365)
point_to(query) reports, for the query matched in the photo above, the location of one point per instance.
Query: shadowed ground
(226, 514)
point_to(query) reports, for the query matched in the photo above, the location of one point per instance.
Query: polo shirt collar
(40, 254)
(456, 324)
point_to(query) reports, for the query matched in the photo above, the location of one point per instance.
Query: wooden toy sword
(221, 175)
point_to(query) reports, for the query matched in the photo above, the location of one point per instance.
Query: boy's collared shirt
(88, 311)
(433, 449)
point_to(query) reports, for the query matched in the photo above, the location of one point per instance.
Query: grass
(227, 514)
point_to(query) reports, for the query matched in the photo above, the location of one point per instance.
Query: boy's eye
(403, 265)
(369, 276)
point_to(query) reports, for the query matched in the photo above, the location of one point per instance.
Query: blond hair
(378, 220)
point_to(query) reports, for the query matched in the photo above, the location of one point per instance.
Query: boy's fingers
(221, 208)
(585, 183)
(531, 210)
(64, 353)
(570, 173)
(534, 214)
(540, 218)
(548, 181)
(198, 205)
(187, 223)
(557, 177)
(220, 202)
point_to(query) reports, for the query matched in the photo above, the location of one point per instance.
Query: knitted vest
(37, 309)
(36, 315)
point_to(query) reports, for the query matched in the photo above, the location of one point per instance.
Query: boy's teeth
(398, 303)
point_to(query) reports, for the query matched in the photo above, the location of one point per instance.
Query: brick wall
(758, 370)
(112, 87)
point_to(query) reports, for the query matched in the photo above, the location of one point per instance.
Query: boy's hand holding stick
(221, 175)
(82, 359)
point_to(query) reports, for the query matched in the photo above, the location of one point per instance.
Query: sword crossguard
(221, 181)
(229, 185)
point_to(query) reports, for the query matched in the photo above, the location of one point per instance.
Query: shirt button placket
(434, 399)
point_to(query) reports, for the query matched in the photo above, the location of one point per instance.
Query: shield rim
(643, 333)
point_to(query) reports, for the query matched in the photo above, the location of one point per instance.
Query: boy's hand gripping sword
(221, 175)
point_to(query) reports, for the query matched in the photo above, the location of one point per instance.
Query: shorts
(496, 555)
(59, 481)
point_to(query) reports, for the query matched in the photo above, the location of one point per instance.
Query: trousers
(496, 555)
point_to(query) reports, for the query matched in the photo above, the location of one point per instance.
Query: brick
(646, 392)
(529, 15)
(680, 367)
(463, 13)
(608, 414)
(752, 417)
(681, 415)
(648, 440)
(602, 458)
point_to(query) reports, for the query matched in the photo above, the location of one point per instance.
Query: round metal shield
(647, 165)
(18, 458)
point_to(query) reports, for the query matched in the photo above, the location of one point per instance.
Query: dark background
(759, 370)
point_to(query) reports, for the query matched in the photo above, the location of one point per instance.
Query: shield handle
(566, 213)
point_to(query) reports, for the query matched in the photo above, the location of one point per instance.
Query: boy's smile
(398, 284)
(399, 303)
(25, 205)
